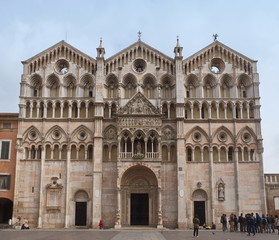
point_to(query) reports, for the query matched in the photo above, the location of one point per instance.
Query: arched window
(166, 87)
(53, 85)
(56, 152)
(73, 152)
(70, 84)
(226, 86)
(165, 110)
(192, 84)
(209, 86)
(215, 154)
(189, 155)
(106, 110)
(36, 85)
(82, 110)
(243, 87)
(205, 154)
(49, 109)
(65, 110)
(114, 153)
(130, 85)
(74, 110)
(112, 86)
(90, 110)
(204, 111)
(81, 152)
(172, 111)
(197, 154)
(113, 110)
(223, 154)
(90, 152)
(149, 87)
(164, 153)
(64, 152)
(87, 85)
(230, 154)
(105, 153)
(214, 110)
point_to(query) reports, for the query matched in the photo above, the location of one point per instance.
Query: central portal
(138, 197)
(139, 209)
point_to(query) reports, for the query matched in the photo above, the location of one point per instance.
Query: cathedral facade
(139, 138)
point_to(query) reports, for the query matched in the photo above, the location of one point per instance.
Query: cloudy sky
(250, 27)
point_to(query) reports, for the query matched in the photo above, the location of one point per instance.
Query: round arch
(6, 210)
(139, 191)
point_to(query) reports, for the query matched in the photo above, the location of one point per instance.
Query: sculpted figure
(221, 192)
(138, 148)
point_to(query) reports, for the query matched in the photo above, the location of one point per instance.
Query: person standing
(231, 222)
(272, 223)
(264, 222)
(258, 224)
(276, 223)
(224, 222)
(196, 223)
(268, 226)
(253, 221)
(235, 223)
(241, 222)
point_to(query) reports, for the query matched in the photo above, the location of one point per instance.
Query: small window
(188, 94)
(244, 94)
(276, 203)
(5, 182)
(90, 94)
(230, 154)
(4, 149)
(189, 154)
(7, 125)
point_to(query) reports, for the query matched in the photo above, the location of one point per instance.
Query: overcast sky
(248, 26)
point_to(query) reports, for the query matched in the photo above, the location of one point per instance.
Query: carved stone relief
(139, 104)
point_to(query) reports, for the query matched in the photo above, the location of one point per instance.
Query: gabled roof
(139, 105)
(136, 45)
(214, 44)
(59, 44)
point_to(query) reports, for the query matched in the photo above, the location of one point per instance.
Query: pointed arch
(246, 129)
(194, 129)
(224, 129)
(55, 128)
(110, 133)
(30, 130)
(82, 128)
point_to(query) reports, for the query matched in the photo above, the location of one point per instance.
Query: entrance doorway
(199, 210)
(6, 210)
(81, 209)
(139, 209)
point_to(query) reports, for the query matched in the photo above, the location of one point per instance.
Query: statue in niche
(221, 192)
(138, 148)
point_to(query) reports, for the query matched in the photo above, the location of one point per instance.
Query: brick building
(8, 137)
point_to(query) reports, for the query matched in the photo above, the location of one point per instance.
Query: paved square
(35, 234)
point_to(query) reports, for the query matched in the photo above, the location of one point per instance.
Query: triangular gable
(221, 45)
(58, 45)
(142, 45)
(139, 105)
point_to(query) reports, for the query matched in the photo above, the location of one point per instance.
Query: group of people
(250, 223)
(21, 223)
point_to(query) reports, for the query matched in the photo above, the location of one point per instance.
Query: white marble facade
(139, 138)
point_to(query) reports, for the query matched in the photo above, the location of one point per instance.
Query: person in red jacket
(101, 225)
